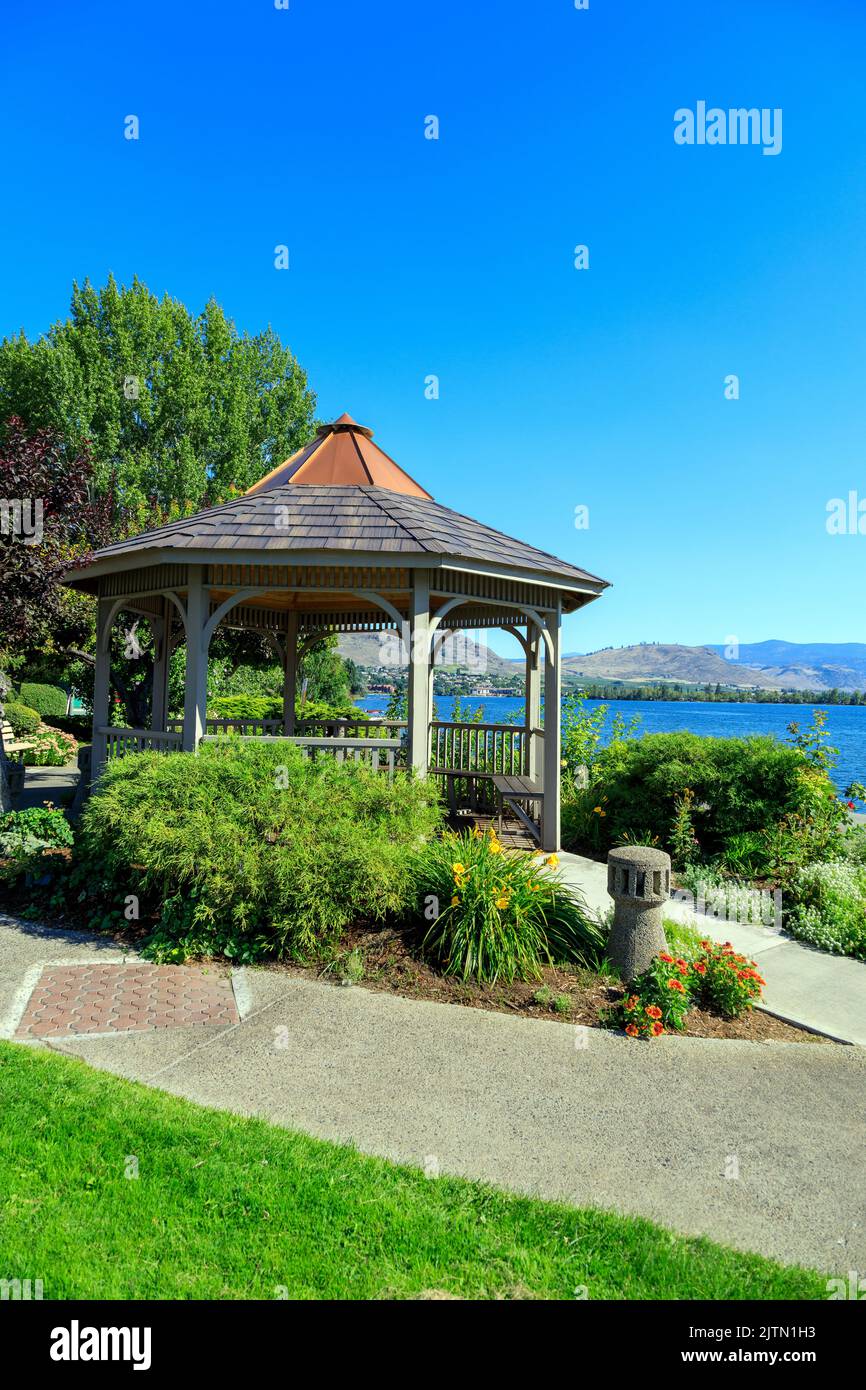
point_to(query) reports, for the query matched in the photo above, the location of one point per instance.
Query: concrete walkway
(806, 986)
(758, 1145)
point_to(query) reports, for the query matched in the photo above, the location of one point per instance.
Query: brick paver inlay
(72, 999)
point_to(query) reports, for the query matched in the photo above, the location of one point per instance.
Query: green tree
(174, 409)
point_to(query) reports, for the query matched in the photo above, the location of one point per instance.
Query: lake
(846, 723)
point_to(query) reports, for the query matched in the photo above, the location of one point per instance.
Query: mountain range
(772, 665)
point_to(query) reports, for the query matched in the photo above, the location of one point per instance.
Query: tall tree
(48, 521)
(175, 410)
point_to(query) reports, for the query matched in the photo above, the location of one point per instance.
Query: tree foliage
(173, 409)
(39, 468)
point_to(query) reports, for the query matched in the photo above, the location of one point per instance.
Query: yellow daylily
(552, 860)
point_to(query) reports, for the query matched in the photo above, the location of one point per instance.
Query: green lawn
(231, 1208)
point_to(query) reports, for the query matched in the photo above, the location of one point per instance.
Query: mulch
(392, 965)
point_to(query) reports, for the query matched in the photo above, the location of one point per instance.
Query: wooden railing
(466, 756)
(381, 753)
(321, 728)
(119, 741)
(480, 748)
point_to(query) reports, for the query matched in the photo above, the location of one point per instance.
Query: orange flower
(663, 955)
(632, 1032)
(657, 1028)
(676, 984)
(701, 968)
(653, 1011)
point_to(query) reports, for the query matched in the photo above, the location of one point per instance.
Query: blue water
(846, 723)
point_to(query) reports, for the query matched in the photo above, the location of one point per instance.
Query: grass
(231, 1208)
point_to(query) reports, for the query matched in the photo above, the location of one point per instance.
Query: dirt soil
(576, 996)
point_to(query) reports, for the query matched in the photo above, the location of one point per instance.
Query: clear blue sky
(455, 257)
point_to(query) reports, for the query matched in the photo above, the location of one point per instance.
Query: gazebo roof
(341, 455)
(317, 503)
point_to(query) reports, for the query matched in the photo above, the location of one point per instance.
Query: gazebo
(339, 538)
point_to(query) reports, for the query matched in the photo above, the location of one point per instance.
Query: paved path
(578, 1115)
(806, 986)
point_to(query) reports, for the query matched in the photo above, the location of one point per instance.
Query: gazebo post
(159, 694)
(532, 698)
(290, 675)
(552, 733)
(101, 676)
(419, 673)
(195, 685)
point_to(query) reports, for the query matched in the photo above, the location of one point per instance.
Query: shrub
(251, 850)
(853, 846)
(271, 707)
(45, 699)
(739, 785)
(51, 748)
(659, 999)
(498, 914)
(829, 908)
(23, 720)
(729, 981)
(39, 827)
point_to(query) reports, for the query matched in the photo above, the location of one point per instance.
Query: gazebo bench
(511, 792)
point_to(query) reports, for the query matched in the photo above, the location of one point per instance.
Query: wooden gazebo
(339, 538)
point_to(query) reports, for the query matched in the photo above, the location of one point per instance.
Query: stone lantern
(639, 881)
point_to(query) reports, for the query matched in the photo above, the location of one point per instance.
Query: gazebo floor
(513, 835)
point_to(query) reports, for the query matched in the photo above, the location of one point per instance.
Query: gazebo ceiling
(340, 500)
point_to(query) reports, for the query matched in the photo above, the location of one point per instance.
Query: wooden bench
(511, 792)
(11, 744)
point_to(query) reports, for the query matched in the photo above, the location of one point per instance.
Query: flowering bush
(51, 748)
(497, 914)
(829, 908)
(729, 981)
(659, 999)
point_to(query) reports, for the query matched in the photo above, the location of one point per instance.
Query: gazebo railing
(480, 748)
(320, 728)
(119, 741)
(381, 753)
(465, 756)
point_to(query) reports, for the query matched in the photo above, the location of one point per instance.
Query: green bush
(829, 907)
(739, 787)
(24, 721)
(498, 915)
(251, 850)
(45, 699)
(712, 975)
(39, 827)
(51, 748)
(271, 707)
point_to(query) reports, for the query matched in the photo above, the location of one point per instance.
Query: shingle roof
(333, 519)
(290, 510)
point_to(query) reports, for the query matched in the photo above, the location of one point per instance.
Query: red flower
(663, 955)
(632, 1032)
(850, 805)
(700, 968)
(653, 1011)
(657, 1028)
(676, 984)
